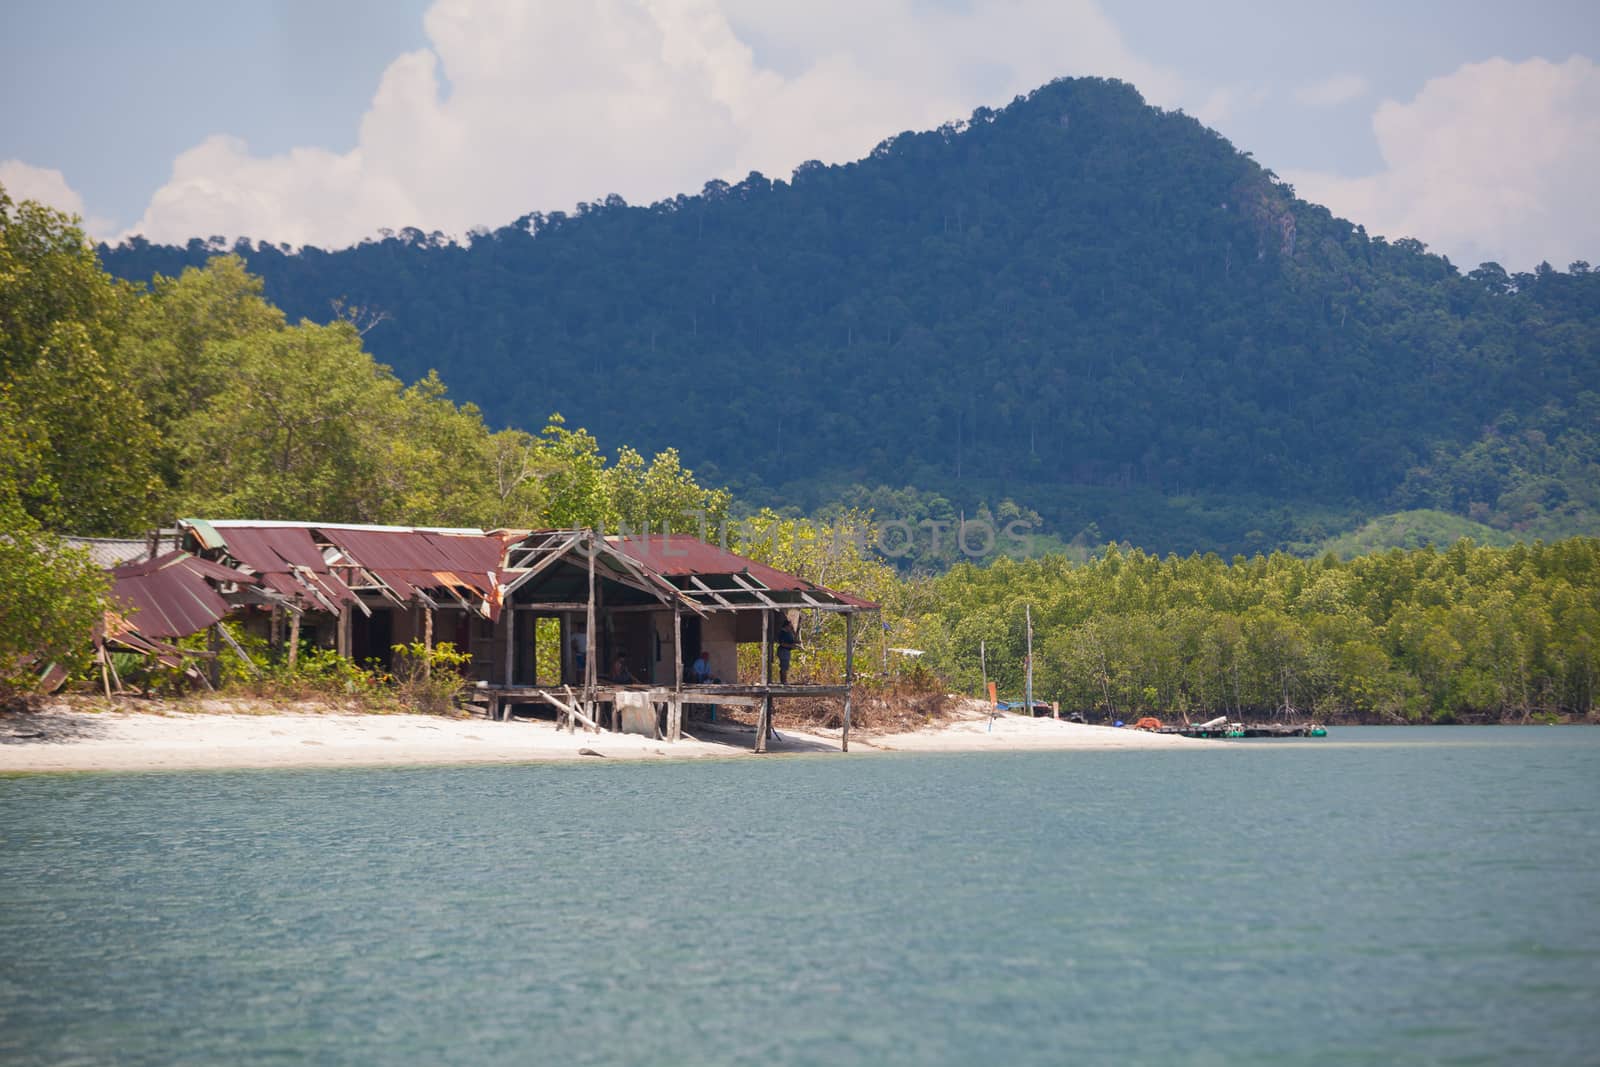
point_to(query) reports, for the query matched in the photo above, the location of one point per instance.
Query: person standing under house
(787, 643)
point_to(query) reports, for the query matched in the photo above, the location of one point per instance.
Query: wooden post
(1027, 611)
(343, 639)
(294, 638)
(214, 668)
(275, 632)
(508, 615)
(427, 642)
(675, 716)
(764, 720)
(590, 671)
(849, 677)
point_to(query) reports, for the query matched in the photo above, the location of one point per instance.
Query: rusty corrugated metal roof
(406, 560)
(170, 596)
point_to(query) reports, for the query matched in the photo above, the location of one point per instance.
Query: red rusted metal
(172, 595)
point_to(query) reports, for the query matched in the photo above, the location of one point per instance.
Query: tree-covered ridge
(127, 407)
(1422, 635)
(1076, 292)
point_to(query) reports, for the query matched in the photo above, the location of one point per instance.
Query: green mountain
(1100, 310)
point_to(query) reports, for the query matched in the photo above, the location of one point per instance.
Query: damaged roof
(686, 557)
(172, 595)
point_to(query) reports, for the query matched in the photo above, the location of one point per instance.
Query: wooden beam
(294, 638)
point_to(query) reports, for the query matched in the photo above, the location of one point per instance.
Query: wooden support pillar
(294, 638)
(764, 721)
(214, 668)
(508, 619)
(675, 715)
(590, 668)
(343, 641)
(427, 642)
(849, 677)
(275, 631)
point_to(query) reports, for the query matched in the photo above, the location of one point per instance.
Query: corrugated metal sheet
(406, 560)
(108, 552)
(169, 596)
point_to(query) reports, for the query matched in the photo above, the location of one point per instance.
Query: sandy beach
(75, 739)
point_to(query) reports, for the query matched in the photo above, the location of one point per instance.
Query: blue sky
(1473, 126)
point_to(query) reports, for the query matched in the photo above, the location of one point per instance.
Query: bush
(430, 681)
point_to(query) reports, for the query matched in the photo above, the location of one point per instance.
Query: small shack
(628, 616)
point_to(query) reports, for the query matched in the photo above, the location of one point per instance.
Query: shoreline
(68, 740)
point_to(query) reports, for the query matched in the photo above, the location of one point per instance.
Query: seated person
(700, 669)
(619, 670)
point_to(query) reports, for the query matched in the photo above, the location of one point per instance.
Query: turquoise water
(1421, 895)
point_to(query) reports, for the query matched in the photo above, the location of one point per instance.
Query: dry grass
(894, 709)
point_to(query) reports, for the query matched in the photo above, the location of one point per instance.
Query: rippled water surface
(1428, 895)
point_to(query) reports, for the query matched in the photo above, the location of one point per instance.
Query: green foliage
(1407, 529)
(430, 680)
(1423, 634)
(52, 599)
(1100, 310)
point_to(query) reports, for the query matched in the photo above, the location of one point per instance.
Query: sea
(1380, 896)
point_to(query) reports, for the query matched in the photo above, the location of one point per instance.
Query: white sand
(66, 739)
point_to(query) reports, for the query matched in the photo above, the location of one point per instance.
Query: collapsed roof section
(327, 566)
(173, 595)
(718, 579)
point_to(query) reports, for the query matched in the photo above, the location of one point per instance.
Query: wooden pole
(343, 638)
(427, 642)
(589, 666)
(1028, 614)
(508, 616)
(764, 721)
(294, 637)
(214, 668)
(675, 729)
(849, 677)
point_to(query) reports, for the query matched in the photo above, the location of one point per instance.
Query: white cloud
(517, 107)
(1331, 92)
(1222, 104)
(1496, 160)
(23, 181)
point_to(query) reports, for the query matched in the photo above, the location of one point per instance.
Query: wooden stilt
(508, 618)
(764, 721)
(427, 643)
(342, 640)
(590, 668)
(214, 668)
(675, 715)
(849, 678)
(294, 638)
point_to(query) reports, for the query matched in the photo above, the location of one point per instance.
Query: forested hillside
(1100, 310)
